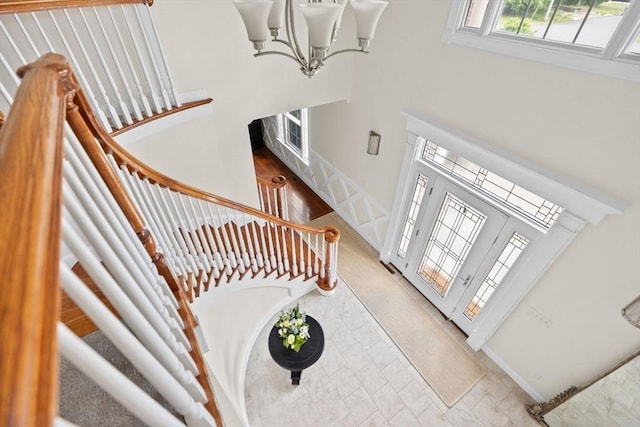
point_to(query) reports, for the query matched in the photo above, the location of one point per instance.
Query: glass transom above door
(454, 233)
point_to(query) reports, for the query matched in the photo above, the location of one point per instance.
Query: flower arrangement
(293, 328)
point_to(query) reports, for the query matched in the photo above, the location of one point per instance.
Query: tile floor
(363, 379)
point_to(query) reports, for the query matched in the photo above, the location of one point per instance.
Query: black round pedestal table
(294, 361)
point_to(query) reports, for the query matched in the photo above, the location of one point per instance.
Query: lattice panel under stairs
(348, 199)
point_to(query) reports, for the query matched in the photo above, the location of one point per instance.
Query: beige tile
(415, 398)
(388, 402)
(404, 418)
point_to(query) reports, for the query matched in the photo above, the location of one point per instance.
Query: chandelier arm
(343, 51)
(284, 42)
(291, 35)
(275, 52)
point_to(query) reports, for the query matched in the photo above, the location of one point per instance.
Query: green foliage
(512, 24)
(518, 7)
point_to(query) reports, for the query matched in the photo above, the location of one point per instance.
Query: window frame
(283, 120)
(613, 60)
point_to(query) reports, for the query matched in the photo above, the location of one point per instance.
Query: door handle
(465, 280)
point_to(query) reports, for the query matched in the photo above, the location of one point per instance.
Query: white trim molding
(609, 61)
(582, 201)
(351, 202)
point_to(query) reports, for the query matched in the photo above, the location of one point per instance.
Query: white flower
(291, 338)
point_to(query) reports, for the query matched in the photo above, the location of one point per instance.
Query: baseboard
(528, 388)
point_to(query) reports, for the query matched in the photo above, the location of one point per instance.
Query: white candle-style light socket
(367, 14)
(254, 14)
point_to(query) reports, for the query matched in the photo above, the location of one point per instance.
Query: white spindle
(285, 252)
(217, 252)
(156, 314)
(132, 70)
(243, 247)
(301, 252)
(171, 356)
(145, 37)
(26, 34)
(123, 77)
(309, 263)
(186, 246)
(138, 261)
(123, 107)
(152, 218)
(276, 204)
(161, 55)
(269, 209)
(184, 398)
(188, 230)
(113, 114)
(231, 231)
(222, 229)
(114, 382)
(256, 242)
(13, 44)
(316, 266)
(228, 257)
(143, 64)
(197, 226)
(79, 72)
(294, 260)
(61, 422)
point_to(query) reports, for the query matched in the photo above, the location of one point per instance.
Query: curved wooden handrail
(30, 196)
(122, 156)
(165, 113)
(277, 181)
(17, 6)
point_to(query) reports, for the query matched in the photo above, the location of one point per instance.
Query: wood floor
(304, 205)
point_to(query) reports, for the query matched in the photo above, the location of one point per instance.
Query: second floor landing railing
(112, 45)
(149, 243)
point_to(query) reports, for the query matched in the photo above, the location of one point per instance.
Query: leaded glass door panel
(455, 233)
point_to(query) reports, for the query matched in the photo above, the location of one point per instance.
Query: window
(293, 132)
(590, 35)
(534, 208)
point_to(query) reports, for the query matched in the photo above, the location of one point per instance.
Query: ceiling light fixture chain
(323, 18)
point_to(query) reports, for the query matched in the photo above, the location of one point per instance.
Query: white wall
(584, 126)
(207, 48)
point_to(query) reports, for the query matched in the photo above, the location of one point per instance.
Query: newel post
(327, 282)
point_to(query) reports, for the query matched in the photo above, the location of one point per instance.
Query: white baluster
(217, 252)
(243, 249)
(96, 78)
(229, 230)
(153, 34)
(152, 56)
(143, 64)
(125, 80)
(96, 229)
(96, 187)
(294, 261)
(170, 354)
(185, 398)
(225, 247)
(132, 70)
(123, 107)
(114, 382)
(285, 252)
(78, 71)
(309, 263)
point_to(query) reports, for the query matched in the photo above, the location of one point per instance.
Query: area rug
(441, 361)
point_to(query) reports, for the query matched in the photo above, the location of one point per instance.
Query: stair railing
(44, 198)
(273, 196)
(112, 46)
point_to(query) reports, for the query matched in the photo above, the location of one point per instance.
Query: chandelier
(323, 20)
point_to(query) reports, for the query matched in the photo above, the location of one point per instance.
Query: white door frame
(580, 205)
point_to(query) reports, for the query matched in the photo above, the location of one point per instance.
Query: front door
(454, 234)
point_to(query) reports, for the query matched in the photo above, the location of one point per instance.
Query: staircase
(152, 258)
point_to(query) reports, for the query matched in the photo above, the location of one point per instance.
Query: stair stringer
(247, 306)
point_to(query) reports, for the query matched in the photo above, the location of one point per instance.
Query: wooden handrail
(78, 113)
(277, 181)
(109, 145)
(30, 196)
(185, 106)
(17, 6)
